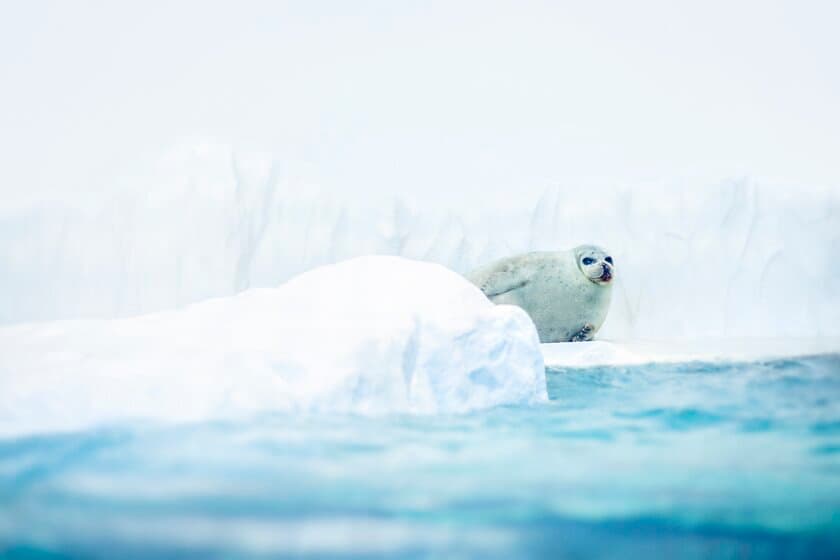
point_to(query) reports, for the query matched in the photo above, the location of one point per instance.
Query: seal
(566, 293)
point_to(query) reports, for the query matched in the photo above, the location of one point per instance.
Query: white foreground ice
(368, 335)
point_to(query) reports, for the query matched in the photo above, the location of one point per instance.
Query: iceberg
(370, 335)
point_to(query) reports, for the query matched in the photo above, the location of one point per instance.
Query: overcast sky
(423, 98)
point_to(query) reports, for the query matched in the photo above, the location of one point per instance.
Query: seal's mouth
(606, 275)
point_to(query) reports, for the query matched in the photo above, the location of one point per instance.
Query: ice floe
(368, 335)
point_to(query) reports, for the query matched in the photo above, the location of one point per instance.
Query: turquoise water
(693, 460)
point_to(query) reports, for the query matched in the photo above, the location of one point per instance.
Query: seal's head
(595, 263)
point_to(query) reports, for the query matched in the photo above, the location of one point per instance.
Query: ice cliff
(734, 259)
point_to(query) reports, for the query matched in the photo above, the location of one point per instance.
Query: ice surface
(709, 350)
(370, 335)
(735, 259)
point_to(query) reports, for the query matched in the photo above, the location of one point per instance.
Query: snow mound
(369, 335)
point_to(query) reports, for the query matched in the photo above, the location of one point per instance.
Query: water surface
(697, 460)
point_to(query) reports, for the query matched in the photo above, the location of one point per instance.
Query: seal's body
(566, 293)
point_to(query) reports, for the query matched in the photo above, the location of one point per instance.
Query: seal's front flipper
(585, 334)
(502, 277)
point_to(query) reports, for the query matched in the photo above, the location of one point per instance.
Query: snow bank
(369, 335)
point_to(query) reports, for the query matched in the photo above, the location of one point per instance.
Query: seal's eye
(587, 261)
(609, 260)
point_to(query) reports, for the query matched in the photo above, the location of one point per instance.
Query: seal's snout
(606, 273)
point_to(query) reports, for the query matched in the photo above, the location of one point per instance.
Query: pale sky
(423, 98)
